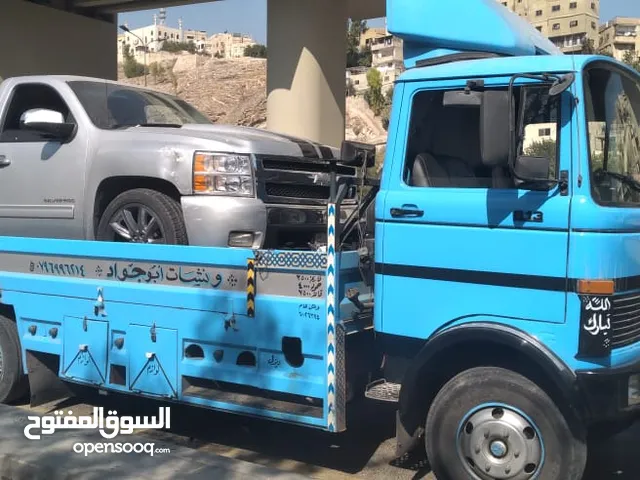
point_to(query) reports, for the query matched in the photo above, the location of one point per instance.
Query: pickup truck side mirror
(48, 122)
(357, 154)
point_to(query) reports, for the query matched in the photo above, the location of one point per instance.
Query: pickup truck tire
(13, 383)
(154, 218)
(492, 423)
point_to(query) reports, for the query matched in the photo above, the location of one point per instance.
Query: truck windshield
(115, 106)
(613, 116)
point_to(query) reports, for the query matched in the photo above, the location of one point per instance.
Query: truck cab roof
(501, 66)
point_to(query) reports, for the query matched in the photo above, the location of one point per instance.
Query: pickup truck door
(41, 180)
(465, 247)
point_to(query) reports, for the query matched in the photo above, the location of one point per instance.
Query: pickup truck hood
(249, 140)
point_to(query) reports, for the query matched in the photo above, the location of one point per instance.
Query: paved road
(364, 451)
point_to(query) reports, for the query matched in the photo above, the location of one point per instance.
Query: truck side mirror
(532, 173)
(46, 121)
(496, 128)
(357, 154)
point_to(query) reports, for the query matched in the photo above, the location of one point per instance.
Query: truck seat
(428, 171)
(450, 153)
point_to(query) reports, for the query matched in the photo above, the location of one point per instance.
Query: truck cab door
(41, 178)
(459, 240)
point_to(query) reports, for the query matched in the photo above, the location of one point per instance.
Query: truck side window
(25, 97)
(613, 122)
(444, 141)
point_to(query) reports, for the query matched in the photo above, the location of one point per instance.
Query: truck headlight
(220, 173)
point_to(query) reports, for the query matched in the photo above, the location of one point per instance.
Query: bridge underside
(306, 48)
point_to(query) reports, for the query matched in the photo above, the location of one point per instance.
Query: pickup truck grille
(297, 181)
(297, 191)
(303, 166)
(625, 321)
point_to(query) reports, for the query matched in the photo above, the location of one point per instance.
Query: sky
(249, 16)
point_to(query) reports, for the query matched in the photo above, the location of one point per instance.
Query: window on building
(539, 29)
(538, 13)
(573, 23)
(555, 8)
(556, 26)
(593, 6)
(544, 132)
(437, 158)
(573, 5)
(594, 25)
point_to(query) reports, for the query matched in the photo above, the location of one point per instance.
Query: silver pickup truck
(85, 158)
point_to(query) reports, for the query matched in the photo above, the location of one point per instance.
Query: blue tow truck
(488, 282)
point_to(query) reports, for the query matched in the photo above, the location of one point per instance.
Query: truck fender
(479, 342)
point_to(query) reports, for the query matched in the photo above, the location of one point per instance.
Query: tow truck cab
(507, 241)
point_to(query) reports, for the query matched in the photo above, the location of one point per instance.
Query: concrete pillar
(37, 39)
(306, 44)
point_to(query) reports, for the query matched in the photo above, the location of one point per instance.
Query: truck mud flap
(44, 383)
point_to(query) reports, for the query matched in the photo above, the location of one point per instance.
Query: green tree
(385, 114)
(256, 51)
(355, 57)
(589, 47)
(544, 148)
(374, 96)
(632, 59)
(132, 68)
(175, 47)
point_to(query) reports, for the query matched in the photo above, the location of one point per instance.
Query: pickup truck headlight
(219, 173)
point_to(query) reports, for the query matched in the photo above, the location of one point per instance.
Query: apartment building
(620, 36)
(569, 24)
(371, 34)
(229, 45)
(387, 57)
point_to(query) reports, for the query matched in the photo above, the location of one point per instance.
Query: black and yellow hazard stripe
(251, 287)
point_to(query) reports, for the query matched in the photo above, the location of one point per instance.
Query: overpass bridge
(306, 51)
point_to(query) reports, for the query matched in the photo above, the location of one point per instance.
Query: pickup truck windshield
(115, 106)
(613, 118)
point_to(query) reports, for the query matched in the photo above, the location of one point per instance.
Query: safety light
(596, 287)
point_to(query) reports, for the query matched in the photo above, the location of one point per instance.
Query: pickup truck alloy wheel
(136, 223)
(13, 383)
(490, 423)
(143, 216)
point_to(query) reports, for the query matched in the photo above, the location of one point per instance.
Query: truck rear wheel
(490, 423)
(13, 383)
(142, 215)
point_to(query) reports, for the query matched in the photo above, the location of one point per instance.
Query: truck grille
(269, 163)
(297, 191)
(625, 321)
(298, 181)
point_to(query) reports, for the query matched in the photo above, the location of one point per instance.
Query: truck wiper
(164, 125)
(626, 179)
(159, 125)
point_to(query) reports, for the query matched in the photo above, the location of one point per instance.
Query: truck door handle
(407, 211)
(4, 161)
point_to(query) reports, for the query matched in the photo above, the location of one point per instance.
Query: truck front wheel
(13, 383)
(142, 215)
(490, 423)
